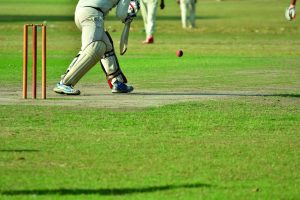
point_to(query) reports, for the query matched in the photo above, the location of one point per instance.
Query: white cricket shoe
(65, 89)
(119, 87)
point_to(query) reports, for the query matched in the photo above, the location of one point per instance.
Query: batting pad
(111, 67)
(110, 64)
(87, 59)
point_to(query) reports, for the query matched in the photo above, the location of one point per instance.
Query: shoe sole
(62, 92)
(119, 91)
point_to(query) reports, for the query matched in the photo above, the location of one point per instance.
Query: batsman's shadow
(104, 192)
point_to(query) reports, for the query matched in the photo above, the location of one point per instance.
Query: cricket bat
(124, 38)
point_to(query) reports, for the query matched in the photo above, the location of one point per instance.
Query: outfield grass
(242, 146)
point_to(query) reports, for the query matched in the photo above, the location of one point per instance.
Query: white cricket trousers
(188, 13)
(148, 9)
(91, 23)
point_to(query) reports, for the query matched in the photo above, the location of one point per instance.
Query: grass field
(237, 139)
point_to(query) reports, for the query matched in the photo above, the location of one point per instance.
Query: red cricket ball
(179, 53)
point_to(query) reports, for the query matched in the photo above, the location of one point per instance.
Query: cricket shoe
(149, 40)
(119, 87)
(65, 89)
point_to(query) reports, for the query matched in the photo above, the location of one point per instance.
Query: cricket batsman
(97, 45)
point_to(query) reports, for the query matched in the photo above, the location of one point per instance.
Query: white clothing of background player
(97, 45)
(188, 13)
(149, 9)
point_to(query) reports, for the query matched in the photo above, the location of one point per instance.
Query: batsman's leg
(70, 66)
(90, 22)
(87, 59)
(110, 65)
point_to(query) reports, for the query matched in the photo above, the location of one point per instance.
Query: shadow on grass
(34, 18)
(19, 150)
(111, 191)
(178, 17)
(215, 94)
(285, 95)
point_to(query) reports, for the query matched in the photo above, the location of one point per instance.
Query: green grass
(238, 147)
(191, 149)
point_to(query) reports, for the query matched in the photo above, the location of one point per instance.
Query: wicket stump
(34, 59)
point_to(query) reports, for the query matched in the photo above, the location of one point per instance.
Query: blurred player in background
(148, 9)
(188, 13)
(290, 12)
(96, 45)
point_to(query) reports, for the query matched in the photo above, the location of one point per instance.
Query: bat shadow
(104, 192)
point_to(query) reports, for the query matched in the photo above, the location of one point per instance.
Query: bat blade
(124, 38)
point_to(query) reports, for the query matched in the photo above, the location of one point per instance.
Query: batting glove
(134, 7)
